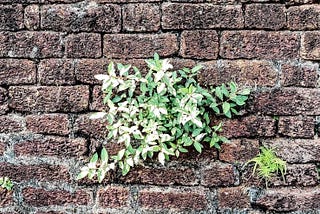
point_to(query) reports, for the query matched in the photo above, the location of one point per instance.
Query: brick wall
(50, 50)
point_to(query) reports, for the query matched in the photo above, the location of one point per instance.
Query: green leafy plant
(267, 164)
(6, 183)
(161, 114)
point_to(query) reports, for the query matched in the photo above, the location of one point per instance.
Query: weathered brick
(3, 101)
(52, 146)
(299, 74)
(31, 44)
(40, 197)
(284, 200)
(250, 126)
(296, 150)
(244, 72)
(11, 123)
(97, 100)
(49, 99)
(17, 71)
(126, 1)
(233, 197)
(195, 16)
(265, 16)
(259, 44)
(83, 45)
(6, 198)
(310, 45)
(297, 126)
(291, 2)
(94, 128)
(11, 17)
(48, 124)
(218, 174)
(114, 197)
(305, 17)
(141, 17)
(288, 101)
(2, 148)
(173, 198)
(56, 72)
(84, 16)
(239, 150)
(42, 172)
(32, 17)
(199, 44)
(139, 45)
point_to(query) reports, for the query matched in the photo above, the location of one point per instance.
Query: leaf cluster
(6, 183)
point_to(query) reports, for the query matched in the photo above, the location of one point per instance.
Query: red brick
(304, 17)
(265, 16)
(3, 101)
(126, 1)
(32, 17)
(31, 44)
(291, 2)
(52, 146)
(288, 101)
(250, 126)
(199, 44)
(6, 198)
(40, 197)
(218, 174)
(234, 197)
(85, 16)
(2, 148)
(11, 17)
(48, 124)
(94, 128)
(297, 127)
(239, 150)
(42, 172)
(97, 100)
(114, 197)
(259, 44)
(243, 72)
(11, 123)
(203, 16)
(139, 45)
(173, 198)
(296, 150)
(310, 45)
(299, 74)
(56, 72)
(49, 99)
(141, 17)
(83, 45)
(17, 71)
(284, 200)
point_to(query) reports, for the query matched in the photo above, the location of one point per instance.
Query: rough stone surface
(218, 174)
(11, 123)
(114, 197)
(32, 17)
(305, 17)
(11, 17)
(234, 197)
(302, 127)
(16, 71)
(310, 45)
(83, 45)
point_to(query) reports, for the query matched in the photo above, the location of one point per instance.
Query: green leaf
(161, 158)
(82, 174)
(245, 91)
(94, 158)
(104, 155)
(226, 107)
(218, 93)
(197, 146)
(183, 150)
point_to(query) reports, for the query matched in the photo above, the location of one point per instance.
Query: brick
(218, 174)
(265, 16)
(177, 199)
(6, 198)
(11, 123)
(56, 72)
(139, 45)
(259, 44)
(285, 200)
(31, 44)
(302, 127)
(40, 197)
(52, 146)
(239, 150)
(87, 45)
(292, 2)
(243, 72)
(85, 16)
(11, 17)
(141, 17)
(199, 44)
(48, 124)
(195, 16)
(310, 45)
(42, 172)
(233, 197)
(49, 99)
(291, 150)
(305, 17)
(89, 127)
(126, 1)
(287, 101)
(250, 126)
(114, 197)
(3, 101)
(2, 148)
(32, 17)
(17, 71)
(97, 100)
(299, 74)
